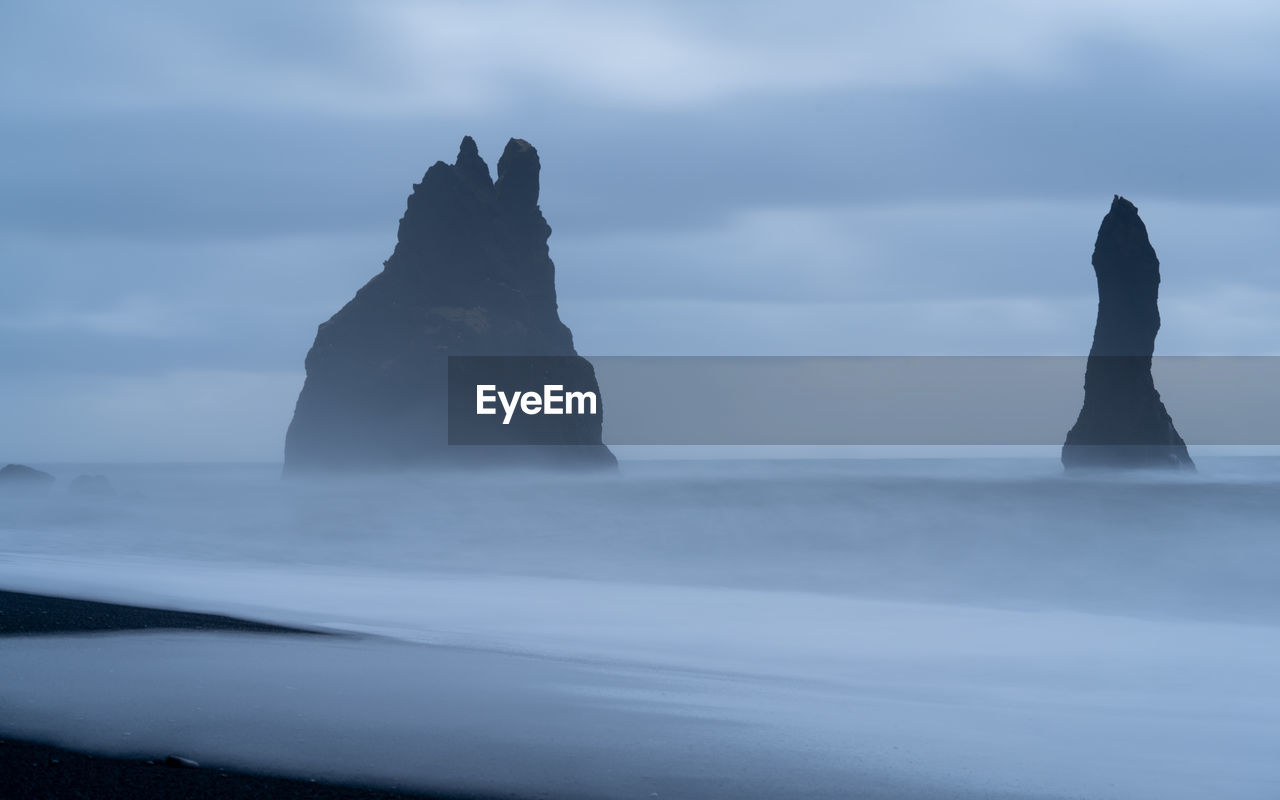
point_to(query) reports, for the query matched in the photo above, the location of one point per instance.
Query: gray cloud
(202, 174)
(471, 58)
(188, 192)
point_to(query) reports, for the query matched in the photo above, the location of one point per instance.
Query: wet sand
(23, 614)
(37, 771)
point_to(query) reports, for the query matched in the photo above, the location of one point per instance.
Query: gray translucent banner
(913, 400)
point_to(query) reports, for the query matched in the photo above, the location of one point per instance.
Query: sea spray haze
(983, 626)
(191, 188)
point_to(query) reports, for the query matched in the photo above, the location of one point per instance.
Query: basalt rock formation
(24, 475)
(1123, 422)
(91, 486)
(20, 477)
(471, 275)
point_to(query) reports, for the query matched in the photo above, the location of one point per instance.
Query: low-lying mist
(751, 626)
(1003, 532)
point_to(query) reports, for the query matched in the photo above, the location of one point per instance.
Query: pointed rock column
(1123, 422)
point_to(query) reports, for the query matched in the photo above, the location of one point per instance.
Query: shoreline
(37, 771)
(29, 614)
(42, 771)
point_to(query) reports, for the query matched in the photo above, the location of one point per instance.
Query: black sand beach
(36, 771)
(30, 771)
(23, 614)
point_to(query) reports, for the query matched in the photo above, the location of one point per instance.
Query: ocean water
(893, 628)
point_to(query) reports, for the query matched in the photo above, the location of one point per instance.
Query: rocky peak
(518, 170)
(469, 165)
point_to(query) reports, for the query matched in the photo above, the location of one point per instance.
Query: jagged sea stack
(470, 275)
(1123, 422)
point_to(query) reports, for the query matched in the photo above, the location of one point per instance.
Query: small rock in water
(180, 762)
(20, 476)
(91, 485)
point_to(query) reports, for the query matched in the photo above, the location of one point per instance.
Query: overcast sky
(186, 191)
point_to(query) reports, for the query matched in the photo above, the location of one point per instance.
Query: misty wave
(720, 628)
(1005, 532)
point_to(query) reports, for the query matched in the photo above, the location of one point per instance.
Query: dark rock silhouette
(471, 275)
(20, 477)
(1123, 422)
(91, 485)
